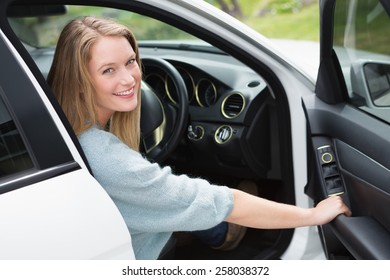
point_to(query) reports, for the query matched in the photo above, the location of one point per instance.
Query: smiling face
(116, 76)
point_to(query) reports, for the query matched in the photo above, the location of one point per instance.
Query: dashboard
(231, 111)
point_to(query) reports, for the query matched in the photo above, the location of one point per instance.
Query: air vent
(233, 105)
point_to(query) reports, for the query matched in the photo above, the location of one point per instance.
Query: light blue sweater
(153, 201)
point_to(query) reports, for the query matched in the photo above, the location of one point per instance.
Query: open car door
(349, 122)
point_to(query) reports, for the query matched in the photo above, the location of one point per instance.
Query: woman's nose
(126, 76)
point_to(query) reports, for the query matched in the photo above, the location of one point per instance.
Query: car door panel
(62, 218)
(363, 237)
(361, 158)
(51, 207)
(359, 139)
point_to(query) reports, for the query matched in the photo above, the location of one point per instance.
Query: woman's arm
(256, 212)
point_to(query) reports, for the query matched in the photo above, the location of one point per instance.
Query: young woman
(96, 77)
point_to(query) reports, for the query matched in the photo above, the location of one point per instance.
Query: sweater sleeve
(151, 198)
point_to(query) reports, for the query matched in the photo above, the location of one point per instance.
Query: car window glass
(43, 31)
(13, 153)
(361, 41)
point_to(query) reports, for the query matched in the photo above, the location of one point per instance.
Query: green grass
(302, 25)
(282, 18)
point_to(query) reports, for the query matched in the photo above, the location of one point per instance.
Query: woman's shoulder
(93, 131)
(94, 135)
(97, 138)
(100, 144)
(105, 151)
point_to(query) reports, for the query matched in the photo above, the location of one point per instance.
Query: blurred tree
(233, 9)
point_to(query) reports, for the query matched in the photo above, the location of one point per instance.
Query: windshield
(361, 41)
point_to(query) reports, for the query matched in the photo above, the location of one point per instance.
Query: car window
(13, 153)
(361, 41)
(43, 31)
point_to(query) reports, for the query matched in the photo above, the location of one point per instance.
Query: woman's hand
(328, 209)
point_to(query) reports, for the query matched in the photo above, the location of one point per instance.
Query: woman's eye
(108, 70)
(131, 61)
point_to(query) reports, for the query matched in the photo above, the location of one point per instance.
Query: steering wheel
(162, 123)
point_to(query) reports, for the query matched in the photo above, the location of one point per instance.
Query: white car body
(66, 217)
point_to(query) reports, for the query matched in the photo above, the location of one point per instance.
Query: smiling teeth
(123, 93)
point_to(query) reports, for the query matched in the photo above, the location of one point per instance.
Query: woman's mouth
(126, 93)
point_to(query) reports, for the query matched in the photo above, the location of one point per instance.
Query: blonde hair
(72, 85)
